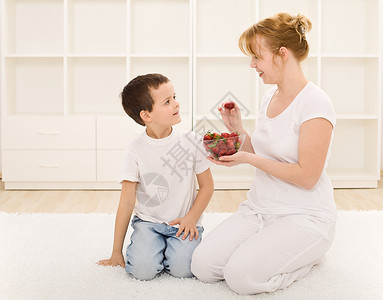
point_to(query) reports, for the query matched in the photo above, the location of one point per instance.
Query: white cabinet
(49, 165)
(65, 62)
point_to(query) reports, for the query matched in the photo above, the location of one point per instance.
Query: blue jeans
(155, 248)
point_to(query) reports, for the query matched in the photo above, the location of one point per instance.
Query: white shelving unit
(64, 63)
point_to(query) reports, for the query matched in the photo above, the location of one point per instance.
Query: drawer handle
(48, 166)
(48, 132)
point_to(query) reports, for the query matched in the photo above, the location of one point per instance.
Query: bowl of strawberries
(223, 144)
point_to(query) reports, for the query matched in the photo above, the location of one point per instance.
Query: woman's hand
(240, 157)
(231, 118)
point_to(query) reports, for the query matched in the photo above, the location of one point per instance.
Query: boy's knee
(143, 270)
(180, 270)
(178, 264)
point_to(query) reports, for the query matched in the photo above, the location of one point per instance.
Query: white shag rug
(53, 256)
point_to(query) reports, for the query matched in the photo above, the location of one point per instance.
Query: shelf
(34, 86)
(159, 55)
(96, 55)
(201, 126)
(357, 139)
(70, 59)
(223, 55)
(32, 55)
(97, 26)
(362, 74)
(352, 174)
(212, 117)
(175, 69)
(159, 26)
(34, 26)
(338, 38)
(360, 116)
(219, 79)
(95, 84)
(349, 55)
(220, 24)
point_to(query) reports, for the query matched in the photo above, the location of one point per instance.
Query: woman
(287, 222)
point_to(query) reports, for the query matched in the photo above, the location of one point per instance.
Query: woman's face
(265, 62)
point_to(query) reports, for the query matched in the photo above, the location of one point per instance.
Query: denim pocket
(134, 221)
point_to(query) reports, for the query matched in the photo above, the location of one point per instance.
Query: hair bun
(302, 25)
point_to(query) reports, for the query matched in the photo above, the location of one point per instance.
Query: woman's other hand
(231, 118)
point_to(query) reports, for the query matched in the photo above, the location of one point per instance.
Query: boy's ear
(145, 116)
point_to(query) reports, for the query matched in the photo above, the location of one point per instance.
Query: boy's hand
(187, 226)
(117, 259)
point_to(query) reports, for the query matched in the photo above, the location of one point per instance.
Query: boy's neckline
(161, 140)
(152, 135)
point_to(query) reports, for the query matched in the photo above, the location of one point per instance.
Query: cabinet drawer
(49, 165)
(30, 132)
(109, 164)
(116, 132)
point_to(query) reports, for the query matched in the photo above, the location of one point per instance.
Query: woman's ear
(145, 116)
(284, 53)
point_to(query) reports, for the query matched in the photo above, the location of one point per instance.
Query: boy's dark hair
(136, 95)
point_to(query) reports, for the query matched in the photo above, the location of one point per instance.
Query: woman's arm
(205, 192)
(124, 212)
(314, 141)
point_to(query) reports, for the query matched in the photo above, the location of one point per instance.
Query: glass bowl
(223, 144)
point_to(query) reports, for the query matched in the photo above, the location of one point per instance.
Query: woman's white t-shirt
(277, 138)
(165, 170)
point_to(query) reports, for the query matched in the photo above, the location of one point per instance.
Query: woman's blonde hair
(280, 30)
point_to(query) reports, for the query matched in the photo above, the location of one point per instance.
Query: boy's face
(165, 108)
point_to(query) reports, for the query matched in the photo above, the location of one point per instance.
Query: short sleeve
(130, 169)
(318, 105)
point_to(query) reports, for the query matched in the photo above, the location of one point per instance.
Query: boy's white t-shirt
(277, 139)
(165, 170)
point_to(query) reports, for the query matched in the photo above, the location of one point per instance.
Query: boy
(159, 170)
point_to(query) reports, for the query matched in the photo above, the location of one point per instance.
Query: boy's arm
(124, 212)
(188, 223)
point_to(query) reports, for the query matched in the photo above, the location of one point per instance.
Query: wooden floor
(107, 201)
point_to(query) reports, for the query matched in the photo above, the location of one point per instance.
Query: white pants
(261, 253)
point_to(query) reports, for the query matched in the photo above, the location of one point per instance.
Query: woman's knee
(200, 263)
(244, 278)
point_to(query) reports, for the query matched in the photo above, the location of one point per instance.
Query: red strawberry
(235, 136)
(216, 136)
(231, 151)
(207, 137)
(225, 135)
(215, 150)
(230, 144)
(229, 105)
(222, 151)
